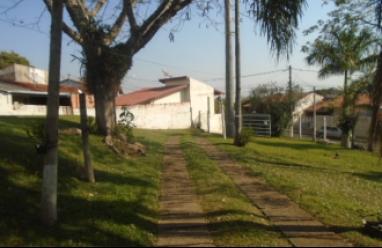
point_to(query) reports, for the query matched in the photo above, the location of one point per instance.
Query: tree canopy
(9, 58)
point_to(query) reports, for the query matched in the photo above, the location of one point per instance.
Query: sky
(197, 51)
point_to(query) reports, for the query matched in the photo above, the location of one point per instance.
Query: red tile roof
(362, 100)
(147, 95)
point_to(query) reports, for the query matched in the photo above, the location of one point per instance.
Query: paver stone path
(182, 222)
(295, 223)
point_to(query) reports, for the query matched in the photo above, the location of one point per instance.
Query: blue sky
(197, 51)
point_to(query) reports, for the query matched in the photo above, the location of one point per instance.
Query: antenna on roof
(166, 73)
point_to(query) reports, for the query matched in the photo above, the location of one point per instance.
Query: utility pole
(229, 70)
(238, 121)
(290, 101)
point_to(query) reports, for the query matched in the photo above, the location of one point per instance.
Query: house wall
(75, 98)
(199, 93)
(177, 97)
(304, 103)
(3, 99)
(307, 124)
(23, 73)
(8, 73)
(8, 109)
(161, 116)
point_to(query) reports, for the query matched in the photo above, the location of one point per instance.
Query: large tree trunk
(376, 100)
(105, 68)
(49, 188)
(104, 97)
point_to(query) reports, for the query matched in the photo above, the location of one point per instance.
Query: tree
(7, 59)
(362, 84)
(272, 99)
(49, 189)
(278, 21)
(367, 13)
(341, 49)
(105, 59)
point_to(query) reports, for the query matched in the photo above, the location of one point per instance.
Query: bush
(245, 136)
(92, 125)
(37, 134)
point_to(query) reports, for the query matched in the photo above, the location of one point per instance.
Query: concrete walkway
(295, 223)
(182, 222)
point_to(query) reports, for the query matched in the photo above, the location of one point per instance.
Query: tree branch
(128, 5)
(165, 4)
(97, 8)
(67, 30)
(117, 27)
(152, 28)
(77, 13)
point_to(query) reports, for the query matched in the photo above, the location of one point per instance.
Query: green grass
(121, 209)
(338, 192)
(233, 220)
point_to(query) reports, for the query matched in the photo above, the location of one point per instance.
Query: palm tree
(342, 50)
(278, 21)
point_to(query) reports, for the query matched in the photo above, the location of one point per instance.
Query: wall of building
(307, 124)
(177, 97)
(161, 116)
(3, 99)
(199, 93)
(8, 73)
(25, 73)
(8, 109)
(304, 103)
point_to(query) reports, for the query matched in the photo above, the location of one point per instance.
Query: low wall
(161, 116)
(361, 129)
(32, 110)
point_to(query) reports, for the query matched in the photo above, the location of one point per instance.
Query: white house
(180, 103)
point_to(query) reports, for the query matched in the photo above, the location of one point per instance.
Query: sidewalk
(182, 222)
(295, 223)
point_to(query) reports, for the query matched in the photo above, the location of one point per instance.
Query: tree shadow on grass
(81, 221)
(297, 146)
(375, 176)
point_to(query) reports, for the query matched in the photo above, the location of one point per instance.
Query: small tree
(341, 48)
(271, 99)
(7, 59)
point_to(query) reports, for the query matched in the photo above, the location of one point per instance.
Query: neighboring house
(24, 98)
(73, 82)
(180, 103)
(23, 73)
(303, 102)
(334, 106)
(330, 110)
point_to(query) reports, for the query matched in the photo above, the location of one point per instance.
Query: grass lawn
(338, 192)
(233, 219)
(122, 208)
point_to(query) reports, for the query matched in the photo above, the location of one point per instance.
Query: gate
(261, 123)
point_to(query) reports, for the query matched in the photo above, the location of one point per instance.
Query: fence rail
(261, 123)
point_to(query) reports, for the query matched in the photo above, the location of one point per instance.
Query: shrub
(245, 136)
(92, 125)
(37, 134)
